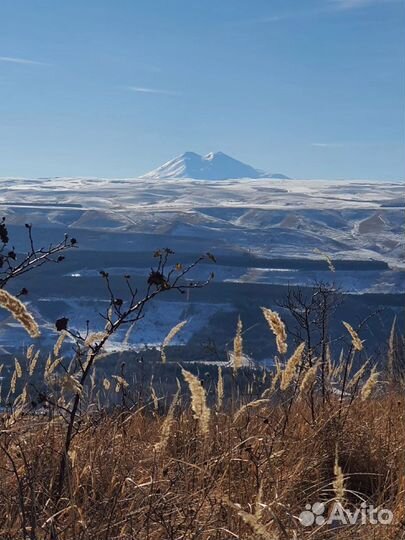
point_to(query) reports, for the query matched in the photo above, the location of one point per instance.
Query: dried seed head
(288, 374)
(356, 341)
(369, 385)
(237, 357)
(33, 363)
(220, 389)
(170, 336)
(278, 328)
(59, 342)
(309, 379)
(339, 481)
(19, 312)
(18, 368)
(198, 401)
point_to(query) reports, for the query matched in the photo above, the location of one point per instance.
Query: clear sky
(310, 88)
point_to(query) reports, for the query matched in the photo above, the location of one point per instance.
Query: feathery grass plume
(47, 364)
(291, 366)
(18, 368)
(329, 360)
(237, 357)
(339, 367)
(250, 405)
(13, 382)
(308, 379)
(121, 383)
(356, 341)
(59, 342)
(357, 376)
(71, 384)
(154, 397)
(327, 258)
(30, 352)
(24, 395)
(96, 337)
(369, 384)
(391, 349)
(198, 401)
(220, 389)
(19, 312)
(253, 522)
(52, 366)
(33, 363)
(277, 327)
(168, 339)
(167, 426)
(106, 384)
(128, 334)
(339, 480)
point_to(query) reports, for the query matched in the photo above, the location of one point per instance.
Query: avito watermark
(314, 514)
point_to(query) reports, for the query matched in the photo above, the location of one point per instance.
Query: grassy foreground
(207, 473)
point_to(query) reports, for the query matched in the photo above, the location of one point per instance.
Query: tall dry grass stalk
(220, 389)
(121, 383)
(33, 363)
(237, 358)
(18, 368)
(309, 379)
(30, 352)
(370, 384)
(291, 366)
(154, 397)
(277, 327)
(354, 381)
(168, 425)
(391, 350)
(356, 341)
(13, 382)
(169, 338)
(19, 311)
(198, 401)
(59, 342)
(339, 481)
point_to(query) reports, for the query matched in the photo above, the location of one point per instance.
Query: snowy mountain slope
(213, 166)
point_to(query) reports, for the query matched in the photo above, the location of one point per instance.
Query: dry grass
(213, 466)
(124, 483)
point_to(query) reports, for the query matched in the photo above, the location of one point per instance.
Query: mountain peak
(213, 166)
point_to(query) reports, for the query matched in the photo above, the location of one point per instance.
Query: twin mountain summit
(213, 166)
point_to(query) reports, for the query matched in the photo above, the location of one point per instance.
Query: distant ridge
(213, 166)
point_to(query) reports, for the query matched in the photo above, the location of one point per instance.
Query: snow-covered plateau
(266, 234)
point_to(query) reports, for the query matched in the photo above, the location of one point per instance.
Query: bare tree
(14, 264)
(162, 278)
(312, 311)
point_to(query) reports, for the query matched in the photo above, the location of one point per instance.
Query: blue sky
(313, 89)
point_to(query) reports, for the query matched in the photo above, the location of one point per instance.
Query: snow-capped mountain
(213, 166)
